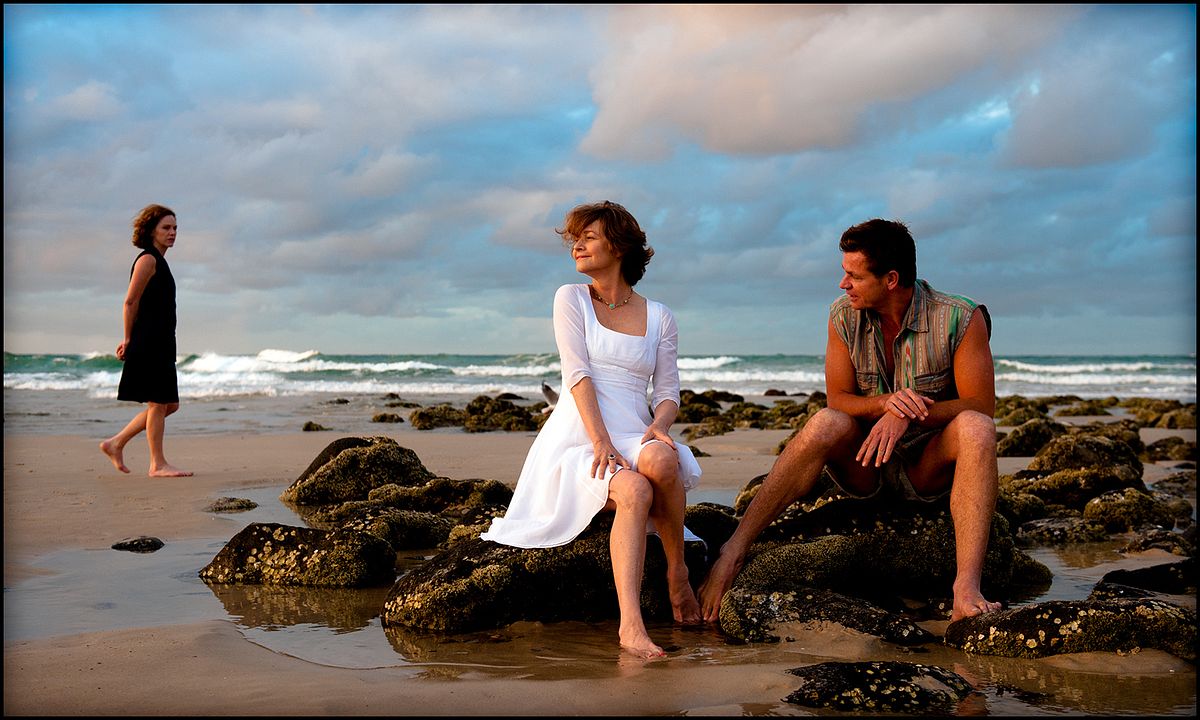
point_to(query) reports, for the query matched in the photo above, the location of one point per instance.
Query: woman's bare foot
(169, 471)
(115, 454)
(970, 602)
(684, 604)
(642, 647)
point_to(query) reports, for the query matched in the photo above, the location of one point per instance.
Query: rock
(1173, 542)
(1176, 578)
(403, 529)
(311, 426)
(1129, 509)
(1029, 437)
(231, 504)
(1068, 626)
(1060, 531)
(1073, 488)
(756, 616)
(140, 544)
(275, 554)
(386, 418)
(877, 687)
(355, 470)
(476, 584)
(444, 415)
(1069, 452)
(1170, 448)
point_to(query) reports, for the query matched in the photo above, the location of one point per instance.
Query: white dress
(556, 496)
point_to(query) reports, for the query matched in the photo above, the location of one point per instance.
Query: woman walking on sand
(601, 450)
(148, 349)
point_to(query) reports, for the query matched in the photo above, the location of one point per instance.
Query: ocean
(282, 372)
(278, 390)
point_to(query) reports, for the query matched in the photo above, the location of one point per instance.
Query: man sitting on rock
(911, 397)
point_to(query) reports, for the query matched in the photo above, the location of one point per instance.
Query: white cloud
(768, 79)
(92, 101)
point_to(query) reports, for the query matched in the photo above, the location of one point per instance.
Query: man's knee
(973, 429)
(827, 429)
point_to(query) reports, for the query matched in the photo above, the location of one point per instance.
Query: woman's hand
(656, 433)
(121, 352)
(606, 459)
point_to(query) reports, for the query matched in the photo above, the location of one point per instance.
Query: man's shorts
(893, 478)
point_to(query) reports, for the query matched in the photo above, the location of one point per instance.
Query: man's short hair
(887, 245)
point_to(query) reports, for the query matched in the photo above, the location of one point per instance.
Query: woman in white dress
(600, 449)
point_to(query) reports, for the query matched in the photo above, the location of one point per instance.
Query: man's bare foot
(971, 602)
(684, 605)
(115, 454)
(169, 471)
(719, 580)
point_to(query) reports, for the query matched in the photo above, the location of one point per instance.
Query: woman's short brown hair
(145, 223)
(623, 233)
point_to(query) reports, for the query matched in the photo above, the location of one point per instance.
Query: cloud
(783, 79)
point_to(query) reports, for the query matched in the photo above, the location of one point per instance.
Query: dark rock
(444, 415)
(231, 504)
(1173, 542)
(403, 529)
(311, 426)
(1028, 438)
(1074, 488)
(1018, 507)
(140, 544)
(386, 418)
(884, 686)
(331, 451)
(756, 616)
(355, 471)
(1130, 509)
(1069, 626)
(1060, 531)
(476, 584)
(1176, 578)
(1170, 448)
(1069, 452)
(712, 523)
(275, 554)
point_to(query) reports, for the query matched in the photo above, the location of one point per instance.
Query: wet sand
(185, 650)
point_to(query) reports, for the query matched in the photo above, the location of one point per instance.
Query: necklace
(611, 306)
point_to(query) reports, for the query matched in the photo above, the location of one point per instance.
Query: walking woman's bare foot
(169, 471)
(115, 454)
(684, 604)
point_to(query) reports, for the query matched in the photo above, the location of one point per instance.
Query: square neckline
(592, 310)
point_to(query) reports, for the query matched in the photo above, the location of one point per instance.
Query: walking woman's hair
(146, 221)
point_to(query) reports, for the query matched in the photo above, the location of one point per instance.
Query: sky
(381, 179)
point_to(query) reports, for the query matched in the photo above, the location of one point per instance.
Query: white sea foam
(705, 363)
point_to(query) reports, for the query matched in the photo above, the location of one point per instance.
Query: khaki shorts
(893, 478)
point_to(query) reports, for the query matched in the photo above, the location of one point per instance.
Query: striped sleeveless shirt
(923, 353)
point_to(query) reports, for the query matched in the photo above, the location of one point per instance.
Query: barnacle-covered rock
(884, 686)
(1066, 626)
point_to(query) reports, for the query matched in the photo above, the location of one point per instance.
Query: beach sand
(63, 499)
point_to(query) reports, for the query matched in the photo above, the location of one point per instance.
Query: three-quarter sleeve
(570, 336)
(666, 364)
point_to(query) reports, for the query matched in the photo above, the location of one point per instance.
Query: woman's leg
(630, 494)
(156, 420)
(114, 447)
(659, 463)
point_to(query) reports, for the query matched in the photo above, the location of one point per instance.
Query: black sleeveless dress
(149, 372)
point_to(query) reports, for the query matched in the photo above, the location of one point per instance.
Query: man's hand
(882, 440)
(907, 403)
